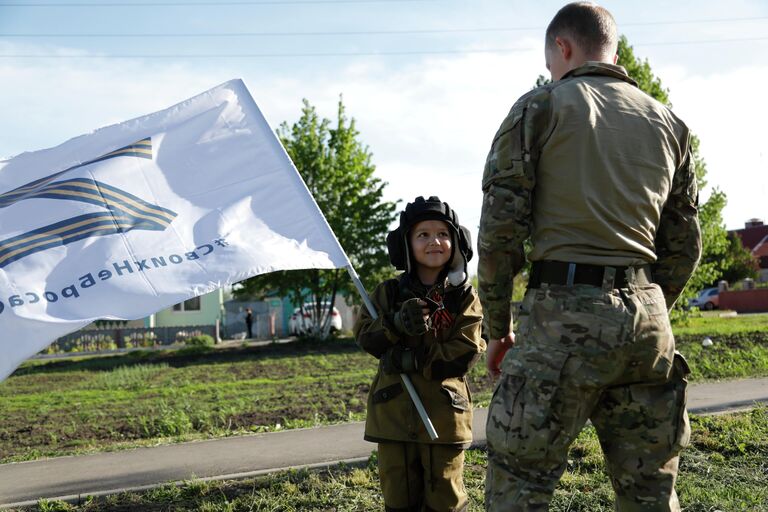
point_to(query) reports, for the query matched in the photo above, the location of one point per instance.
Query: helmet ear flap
(465, 242)
(396, 248)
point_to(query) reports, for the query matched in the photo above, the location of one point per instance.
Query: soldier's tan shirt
(604, 174)
(595, 171)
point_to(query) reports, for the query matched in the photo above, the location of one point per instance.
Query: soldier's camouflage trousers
(418, 477)
(583, 353)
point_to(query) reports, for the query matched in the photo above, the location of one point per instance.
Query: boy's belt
(607, 277)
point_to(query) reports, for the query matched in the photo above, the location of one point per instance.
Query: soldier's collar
(600, 68)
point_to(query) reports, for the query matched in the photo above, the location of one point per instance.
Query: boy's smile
(431, 243)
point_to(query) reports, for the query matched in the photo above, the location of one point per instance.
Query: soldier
(600, 178)
(428, 327)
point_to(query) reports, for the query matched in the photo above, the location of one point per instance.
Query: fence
(744, 301)
(267, 320)
(96, 340)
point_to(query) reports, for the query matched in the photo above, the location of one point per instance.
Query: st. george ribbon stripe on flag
(105, 227)
(128, 211)
(74, 229)
(141, 149)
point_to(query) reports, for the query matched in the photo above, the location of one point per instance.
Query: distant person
(599, 176)
(249, 322)
(428, 327)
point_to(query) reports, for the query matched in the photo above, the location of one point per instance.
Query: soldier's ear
(615, 58)
(565, 47)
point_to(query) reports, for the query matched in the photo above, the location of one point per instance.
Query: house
(203, 310)
(754, 237)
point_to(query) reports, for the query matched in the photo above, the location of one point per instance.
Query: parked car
(301, 324)
(706, 299)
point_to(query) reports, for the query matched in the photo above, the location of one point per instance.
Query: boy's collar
(415, 284)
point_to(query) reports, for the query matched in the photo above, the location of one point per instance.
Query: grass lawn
(711, 323)
(723, 470)
(83, 405)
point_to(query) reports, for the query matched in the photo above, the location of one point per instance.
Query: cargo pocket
(681, 433)
(523, 419)
(388, 393)
(469, 390)
(506, 157)
(457, 400)
(652, 320)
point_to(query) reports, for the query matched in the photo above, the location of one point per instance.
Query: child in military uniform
(428, 327)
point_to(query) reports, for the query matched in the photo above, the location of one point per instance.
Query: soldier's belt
(607, 277)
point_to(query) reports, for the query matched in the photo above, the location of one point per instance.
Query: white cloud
(47, 101)
(728, 111)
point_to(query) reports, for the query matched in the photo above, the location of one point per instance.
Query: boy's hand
(497, 348)
(399, 359)
(412, 318)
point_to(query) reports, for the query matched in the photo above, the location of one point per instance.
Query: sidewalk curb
(77, 499)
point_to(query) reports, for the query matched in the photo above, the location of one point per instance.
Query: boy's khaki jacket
(441, 381)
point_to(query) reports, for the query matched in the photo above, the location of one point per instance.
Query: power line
(703, 41)
(357, 32)
(685, 22)
(337, 54)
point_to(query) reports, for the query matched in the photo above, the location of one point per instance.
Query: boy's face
(431, 243)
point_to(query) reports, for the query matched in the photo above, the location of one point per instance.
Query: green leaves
(338, 170)
(640, 71)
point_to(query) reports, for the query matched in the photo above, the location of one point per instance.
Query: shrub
(202, 340)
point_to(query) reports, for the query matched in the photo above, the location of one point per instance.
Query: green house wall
(210, 311)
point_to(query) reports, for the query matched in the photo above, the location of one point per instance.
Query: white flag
(141, 215)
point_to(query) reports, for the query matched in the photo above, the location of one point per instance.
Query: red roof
(762, 248)
(750, 237)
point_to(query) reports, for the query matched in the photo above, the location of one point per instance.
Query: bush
(202, 340)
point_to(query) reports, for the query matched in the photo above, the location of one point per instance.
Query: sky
(427, 81)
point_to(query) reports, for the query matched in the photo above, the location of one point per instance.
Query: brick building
(754, 237)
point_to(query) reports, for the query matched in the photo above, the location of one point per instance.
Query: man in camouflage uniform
(600, 177)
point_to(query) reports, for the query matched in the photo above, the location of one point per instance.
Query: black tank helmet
(431, 209)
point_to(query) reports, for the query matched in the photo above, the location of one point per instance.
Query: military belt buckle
(571, 274)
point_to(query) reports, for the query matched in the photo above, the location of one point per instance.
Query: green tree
(742, 263)
(339, 173)
(720, 257)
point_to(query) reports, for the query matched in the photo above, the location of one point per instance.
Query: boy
(429, 328)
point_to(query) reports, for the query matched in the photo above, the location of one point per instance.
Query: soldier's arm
(376, 336)
(505, 222)
(457, 355)
(678, 239)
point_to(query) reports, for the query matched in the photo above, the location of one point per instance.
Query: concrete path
(244, 456)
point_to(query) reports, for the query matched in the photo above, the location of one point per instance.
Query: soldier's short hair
(590, 26)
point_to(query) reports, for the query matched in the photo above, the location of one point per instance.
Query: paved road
(244, 456)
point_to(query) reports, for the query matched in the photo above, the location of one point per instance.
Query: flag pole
(406, 380)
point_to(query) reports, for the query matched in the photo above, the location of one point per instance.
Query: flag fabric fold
(141, 215)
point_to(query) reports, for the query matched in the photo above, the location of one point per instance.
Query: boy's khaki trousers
(415, 475)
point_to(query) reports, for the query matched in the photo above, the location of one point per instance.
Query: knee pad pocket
(523, 420)
(681, 434)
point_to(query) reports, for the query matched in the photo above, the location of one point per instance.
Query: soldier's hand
(497, 348)
(412, 318)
